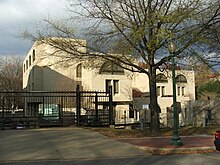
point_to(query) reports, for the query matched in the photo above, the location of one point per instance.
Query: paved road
(67, 146)
(197, 159)
(61, 144)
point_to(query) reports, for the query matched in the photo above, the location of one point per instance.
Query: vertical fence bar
(78, 105)
(96, 108)
(24, 112)
(3, 107)
(43, 107)
(111, 121)
(61, 113)
(3, 112)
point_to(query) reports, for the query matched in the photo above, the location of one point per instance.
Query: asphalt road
(65, 146)
(196, 159)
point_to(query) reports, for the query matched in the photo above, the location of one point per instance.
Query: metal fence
(64, 108)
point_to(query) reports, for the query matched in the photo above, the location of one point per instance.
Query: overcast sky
(16, 15)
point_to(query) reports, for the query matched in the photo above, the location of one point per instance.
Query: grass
(190, 130)
(135, 133)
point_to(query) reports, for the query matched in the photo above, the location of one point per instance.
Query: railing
(56, 108)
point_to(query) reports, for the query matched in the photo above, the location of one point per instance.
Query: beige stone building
(45, 71)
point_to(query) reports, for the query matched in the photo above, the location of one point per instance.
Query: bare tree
(128, 31)
(11, 73)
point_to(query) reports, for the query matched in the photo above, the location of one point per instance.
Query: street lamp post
(175, 139)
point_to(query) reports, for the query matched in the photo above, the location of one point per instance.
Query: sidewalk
(192, 144)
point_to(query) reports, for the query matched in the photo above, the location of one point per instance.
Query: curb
(193, 150)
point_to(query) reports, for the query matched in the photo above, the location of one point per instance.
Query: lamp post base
(176, 142)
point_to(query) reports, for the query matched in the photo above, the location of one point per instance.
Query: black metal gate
(33, 109)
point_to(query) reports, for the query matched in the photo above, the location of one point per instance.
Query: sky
(16, 15)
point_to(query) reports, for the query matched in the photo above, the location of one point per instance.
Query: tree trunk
(154, 107)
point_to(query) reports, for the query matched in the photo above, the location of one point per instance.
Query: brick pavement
(190, 143)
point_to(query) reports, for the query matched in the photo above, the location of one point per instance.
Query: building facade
(44, 71)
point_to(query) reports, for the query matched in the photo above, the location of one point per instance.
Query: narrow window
(26, 64)
(79, 70)
(24, 68)
(33, 55)
(158, 91)
(163, 90)
(131, 111)
(178, 91)
(107, 85)
(183, 91)
(116, 86)
(30, 60)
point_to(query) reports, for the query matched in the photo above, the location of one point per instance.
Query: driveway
(61, 144)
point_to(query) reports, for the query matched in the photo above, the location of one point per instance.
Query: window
(163, 90)
(26, 64)
(181, 79)
(24, 67)
(79, 70)
(33, 55)
(111, 68)
(161, 78)
(116, 86)
(183, 91)
(131, 111)
(107, 85)
(30, 60)
(178, 91)
(158, 91)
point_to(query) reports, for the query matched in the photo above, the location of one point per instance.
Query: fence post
(78, 106)
(111, 116)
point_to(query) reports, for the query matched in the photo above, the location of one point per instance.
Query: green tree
(141, 28)
(209, 90)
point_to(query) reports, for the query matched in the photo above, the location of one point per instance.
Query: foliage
(202, 73)
(11, 73)
(210, 89)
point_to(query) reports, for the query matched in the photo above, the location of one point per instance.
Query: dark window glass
(33, 55)
(161, 78)
(79, 70)
(116, 86)
(111, 68)
(107, 85)
(181, 79)
(29, 60)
